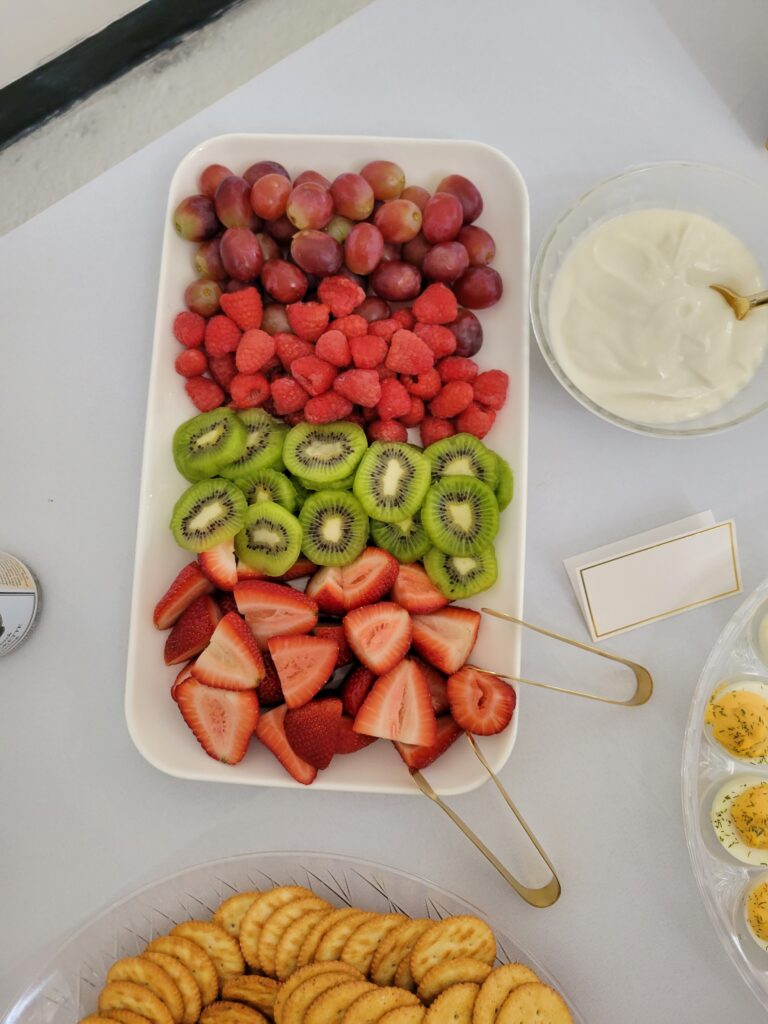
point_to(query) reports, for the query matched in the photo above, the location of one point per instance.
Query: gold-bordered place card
(656, 574)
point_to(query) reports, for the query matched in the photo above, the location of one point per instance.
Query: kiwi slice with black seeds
(345, 484)
(208, 513)
(460, 576)
(323, 452)
(391, 480)
(299, 488)
(270, 540)
(335, 527)
(268, 485)
(204, 444)
(263, 445)
(407, 539)
(505, 486)
(460, 515)
(462, 455)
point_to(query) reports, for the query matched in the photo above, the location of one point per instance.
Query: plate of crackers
(288, 938)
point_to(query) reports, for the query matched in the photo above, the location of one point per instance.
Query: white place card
(656, 574)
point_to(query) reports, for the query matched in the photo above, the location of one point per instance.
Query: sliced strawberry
(225, 599)
(245, 572)
(193, 630)
(356, 688)
(335, 631)
(220, 565)
(301, 567)
(480, 702)
(223, 721)
(368, 578)
(325, 588)
(271, 732)
(270, 692)
(185, 673)
(186, 588)
(304, 664)
(445, 638)
(349, 741)
(415, 591)
(418, 757)
(313, 730)
(271, 609)
(399, 707)
(379, 634)
(437, 685)
(232, 659)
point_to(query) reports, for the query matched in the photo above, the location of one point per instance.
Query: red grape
(363, 248)
(396, 281)
(359, 279)
(316, 252)
(284, 281)
(445, 262)
(314, 177)
(373, 308)
(281, 229)
(385, 178)
(258, 170)
(269, 194)
(195, 218)
(352, 196)
(442, 218)
(417, 195)
(275, 319)
(233, 204)
(399, 220)
(208, 260)
(390, 252)
(466, 192)
(241, 254)
(469, 333)
(269, 247)
(479, 287)
(480, 246)
(212, 177)
(202, 296)
(415, 250)
(309, 206)
(339, 227)
(232, 285)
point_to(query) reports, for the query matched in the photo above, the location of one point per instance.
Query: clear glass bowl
(736, 202)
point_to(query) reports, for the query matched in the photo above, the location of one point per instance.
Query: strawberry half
(445, 638)
(379, 634)
(356, 688)
(232, 660)
(313, 730)
(223, 721)
(271, 609)
(301, 567)
(193, 630)
(335, 631)
(480, 702)
(368, 578)
(304, 665)
(185, 673)
(271, 731)
(418, 757)
(245, 572)
(270, 692)
(399, 707)
(437, 686)
(325, 588)
(349, 741)
(415, 591)
(220, 565)
(186, 588)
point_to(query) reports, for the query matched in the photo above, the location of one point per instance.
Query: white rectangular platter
(154, 723)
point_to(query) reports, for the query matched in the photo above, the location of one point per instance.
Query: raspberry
(288, 396)
(222, 369)
(340, 295)
(367, 351)
(394, 402)
(476, 419)
(327, 408)
(453, 399)
(249, 390)
(289, 347)
(409, 354)
(315, 375)
(360, 386)
(457, 368)
(352, 326)
(221, 336)
(292, 418)
(189, 329)
(369, 415)
(384, 328)
(205, 394)
(491, 388)
(308, 320)
(255, 350)
(415, 413)
(405, 318)
(432, 430)
(334, 348)
(244, 307)
(425, 385)
(386, 430)
(440, 339)
(385, 373)
(436, 305)
(191, 362)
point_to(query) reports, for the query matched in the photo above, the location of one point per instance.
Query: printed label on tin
(14, 575)
(17, 613)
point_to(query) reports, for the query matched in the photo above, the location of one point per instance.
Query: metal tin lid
(19, 602)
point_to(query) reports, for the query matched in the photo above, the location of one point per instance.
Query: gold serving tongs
(545, 895)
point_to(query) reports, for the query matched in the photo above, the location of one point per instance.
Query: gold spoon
(741, 304)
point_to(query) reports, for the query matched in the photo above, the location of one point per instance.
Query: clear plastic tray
(723, 881)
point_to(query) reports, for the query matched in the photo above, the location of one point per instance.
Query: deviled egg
(739, 817)
(756, 912)
(736, 718)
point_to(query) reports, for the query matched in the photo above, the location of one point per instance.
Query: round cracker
(332, 943)
(302, 997)
(288, 987)
(312, 941)
(394, 946)
(185, 982)
(195, 959)
(272, 929)
(129, 995)
(291, 941)
(230, 913)
(496, 988)
(454, 937)
(454, 1005)
(403, 976)
(534, 1001)
(144, 972)
(123, 1016)
(253, 990)
(259, 911)
(362, 943)
(370, 1006)
(404, 1015)
(451, 972)
(225, 1012)
(220, 946)
(330, 1007)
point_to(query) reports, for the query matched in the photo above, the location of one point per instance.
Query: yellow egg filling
(739, 720)
(757, 911)
(749, 812)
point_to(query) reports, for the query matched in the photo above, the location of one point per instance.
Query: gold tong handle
(643, 678)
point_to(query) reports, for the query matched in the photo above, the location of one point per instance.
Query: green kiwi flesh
(345, 484)
(460, 515)
(335, 527)
(407, 540)
(270, 540)
(505, 488)
(263, 445)
(391, 480)
(208, 513)
(323, 452)
(462, 455)
(268, 485)
(204, 444)
(460, 576)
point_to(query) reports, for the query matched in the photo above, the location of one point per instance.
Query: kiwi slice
(407, 540)
(263, 445)
(204, 444)
(391, 480)
(505, 486)
(462, 455)
(460, 515)
(208, 513)
(335, 527)
(299, 488)
(270, 540)
(345, 484)
(460, 576)
(322, 452)
(268, 485)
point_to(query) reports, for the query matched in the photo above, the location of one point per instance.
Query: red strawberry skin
(313, 730)
(220, 565)
(232, 659)
(399, 707)
(379, 634)
(325, 588)
(270, 692)
(415, 591)
(437, 684)
(335, 631)
(304, 665)
(368, 578)
(356, 688)
(418, 757)
(190, 584)
(271, 732)
(192, 631)
(271, 609)
(349, 741)
(185, 673)
(481, 703)
(223, 721)
(445, 638)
